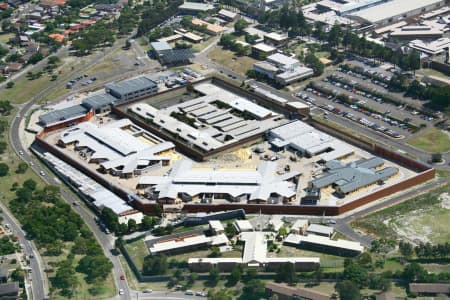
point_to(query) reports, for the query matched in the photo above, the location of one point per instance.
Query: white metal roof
(243, 225)
(216, 225)
(281, 59)
(392, 9)
(264, 47)
(322, 240)
(316, 228)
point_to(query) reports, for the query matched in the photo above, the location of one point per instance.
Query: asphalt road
(38, 285)
(104, 240)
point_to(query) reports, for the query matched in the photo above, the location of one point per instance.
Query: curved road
(40, 291)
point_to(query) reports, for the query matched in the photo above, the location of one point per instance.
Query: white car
(121, 292)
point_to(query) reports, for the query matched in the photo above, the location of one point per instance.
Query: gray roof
(130, 86)
(352, 176)
(99, 101)
(4, 270)
(9, 288)
(64, 114)
(160, 46)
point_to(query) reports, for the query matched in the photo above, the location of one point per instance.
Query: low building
(286, 292)
(243, 226)
(430, 289)
(294, 75)
(301, 108)
(132, 89)
(186, 243)
(300, 226)
(94, 194)
(254, 256)
(303, 139)
(65, 115)
(4, 272)
(184, 183)
(216, 227)
(192, 37)
(100, 103)
(413, 32)
(228, 15)
(212, 29)
(320, 230)
(350, 177)
(265, 68)
(433, 48)
(193, 8)
(261, 50)
(9, 291)
(276, 39)
(204, 218)
(120, 148)
(323, 244)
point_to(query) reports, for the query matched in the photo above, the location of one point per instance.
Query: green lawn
(331, 262)
(197, 47)
(4, 37)
(431, 140)
(138, 251)
(435, 73)
(238, 64)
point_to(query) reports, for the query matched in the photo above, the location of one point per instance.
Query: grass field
(423, 218)
(431, 140)
(435, 73)
(327, 261)
(4, 37)
(238, 64)
(138, 251)
(197, 47)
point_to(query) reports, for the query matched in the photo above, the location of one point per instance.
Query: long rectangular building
(132, 89)
(324, 244)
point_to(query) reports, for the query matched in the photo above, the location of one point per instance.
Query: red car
(122, 277)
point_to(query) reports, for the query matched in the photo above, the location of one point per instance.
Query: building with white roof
(324, 244)
(187, 243)
(185, 183)
(254, 256)
(194, 7)
(216, 227)
(432, 48)
(320, 230)
(275, 39)
(300, 137)
(416, 32)
(212, 121)
(94, 193)
(228, 15)
(121, 148)
(283, 69)
(300, 226)
(243, 225)
(262, 50)
(395, 10)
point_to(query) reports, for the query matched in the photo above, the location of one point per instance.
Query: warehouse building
(100, 103)
(254, 256)
(185, 183)
(132, 89)
(324, 244)
(193, 8)
(348, 178)
(121, 148)
(394, 11)
(64, 115)
(303, 139)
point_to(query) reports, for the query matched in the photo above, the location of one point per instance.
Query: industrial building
(308, 141)
(209, 122)
(92, 192)
(120, 148)
(324, 244)
(168, 56)
(132, 89)
(64, 115)
(254, 256)
(348, 178)
(185, 183)
(393, 11)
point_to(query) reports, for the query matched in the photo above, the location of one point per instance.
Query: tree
(355, 273)
(148, 222)
(239, 26)
(414, 272)
(348, 290)
(132, 225)
(253, 290)
(29, 184)
(230, 230)
(35, 58)
(235, 275)
(95, 267)
(3, 146)
(9, 84)
(406, 249)
(214, 276)
(314, 63)
(110, 219)
(5, 107)
(378, 282)
(155, 265)
(286, 273)
(222, 294)
(4, 169)
(22, 168)
(215, 252)
(24, 194)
